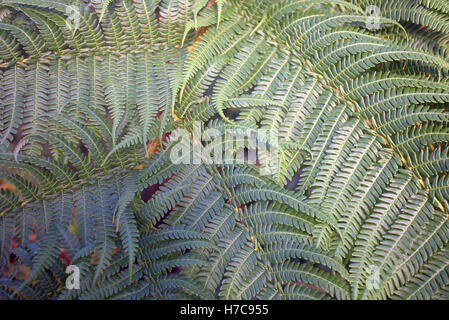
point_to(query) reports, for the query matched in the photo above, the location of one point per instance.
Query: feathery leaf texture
(357, 203)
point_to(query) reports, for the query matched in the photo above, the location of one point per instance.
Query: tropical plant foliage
(359, 202)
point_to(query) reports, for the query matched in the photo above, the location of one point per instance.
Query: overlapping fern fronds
(356, 207)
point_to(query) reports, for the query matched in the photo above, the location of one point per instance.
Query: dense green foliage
(362, 183)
